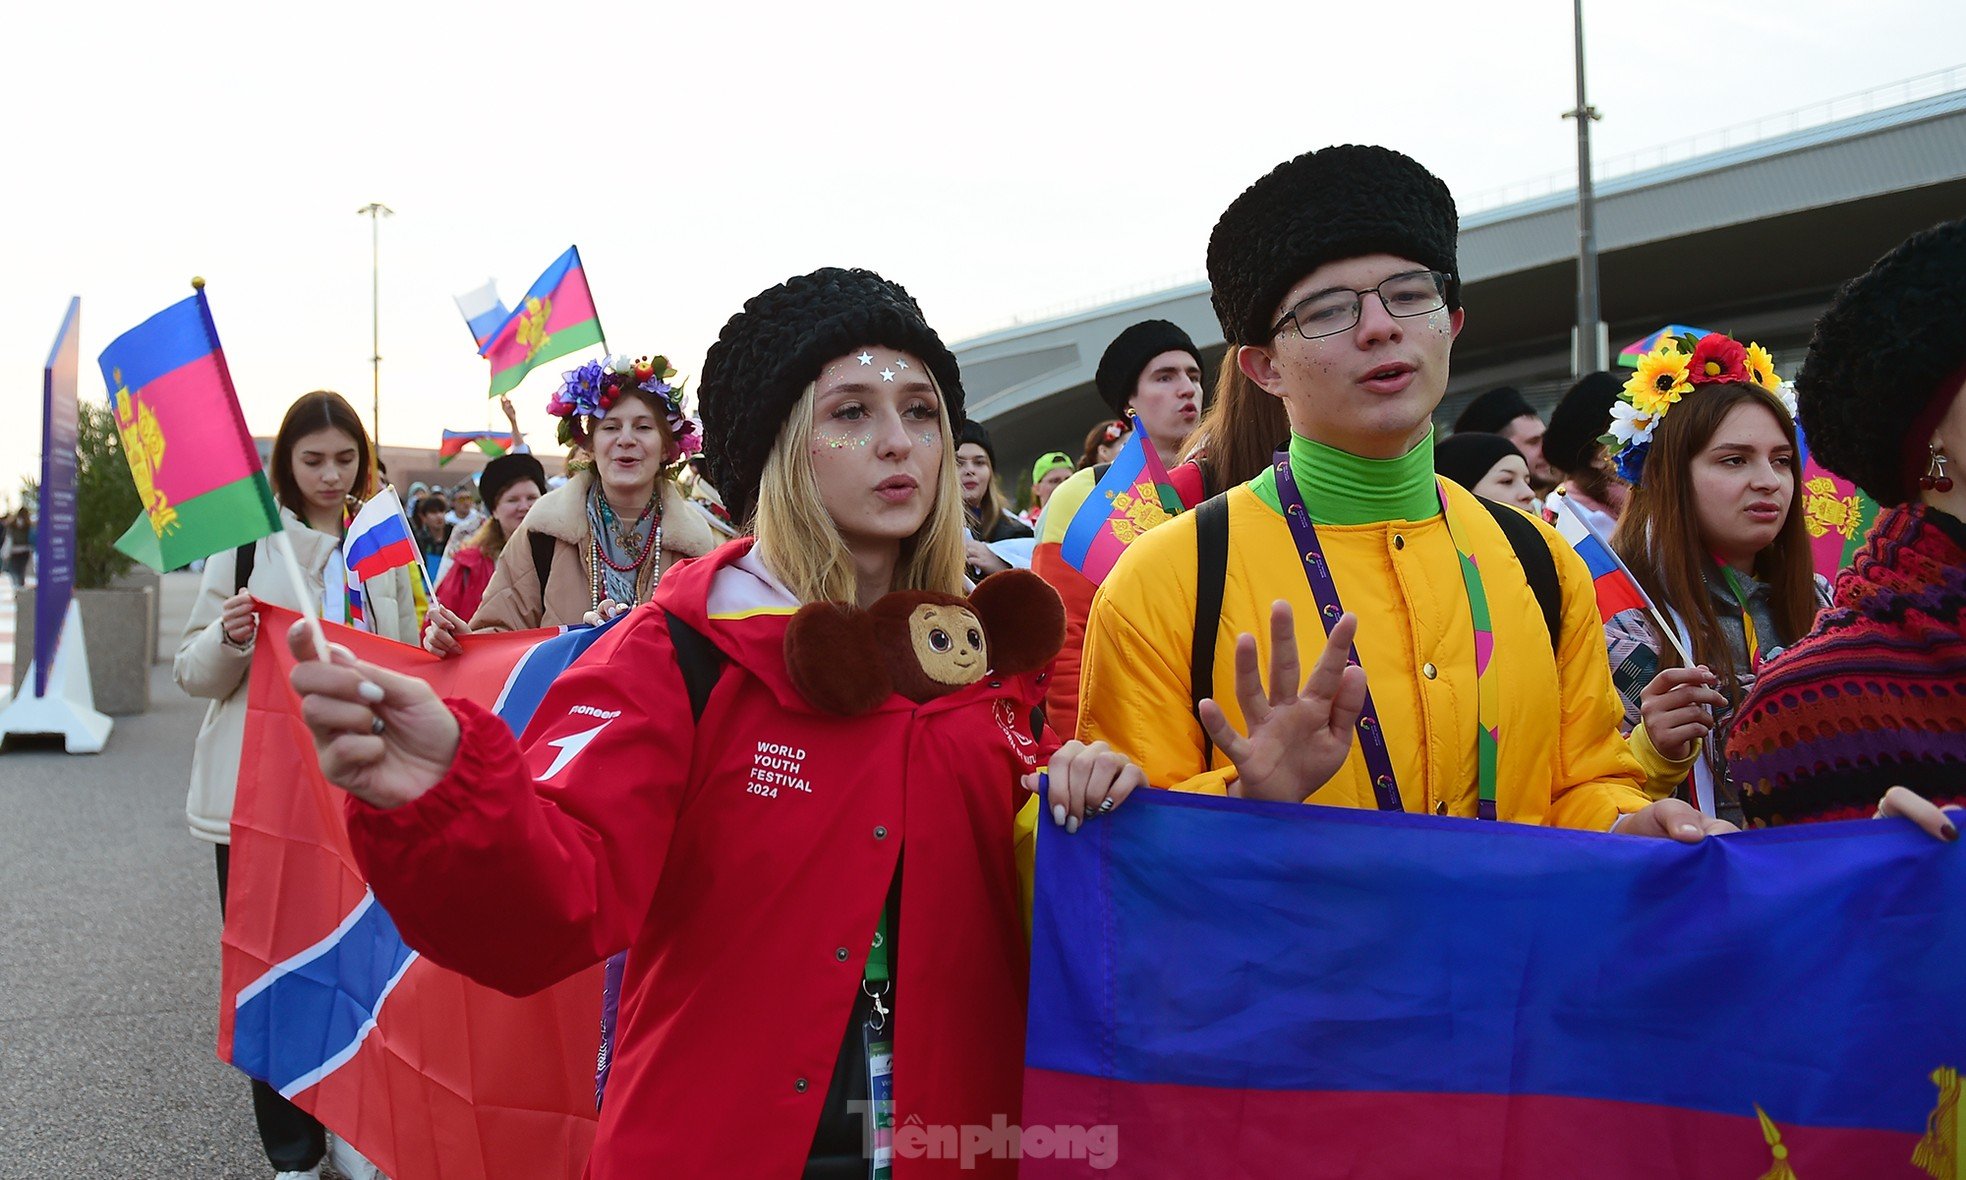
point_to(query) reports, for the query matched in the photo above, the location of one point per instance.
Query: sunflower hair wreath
(1677, 366)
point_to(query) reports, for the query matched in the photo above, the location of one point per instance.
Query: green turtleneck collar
(1341, 488)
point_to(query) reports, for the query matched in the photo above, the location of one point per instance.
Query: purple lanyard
(1371, 738)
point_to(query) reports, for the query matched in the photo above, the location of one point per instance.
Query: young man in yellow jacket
(1477, 692)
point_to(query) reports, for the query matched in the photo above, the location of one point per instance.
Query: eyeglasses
(1330, 312)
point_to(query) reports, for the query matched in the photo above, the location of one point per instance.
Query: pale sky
(1000, 160)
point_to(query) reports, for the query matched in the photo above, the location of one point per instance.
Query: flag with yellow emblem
(555, 318)
(195, 466)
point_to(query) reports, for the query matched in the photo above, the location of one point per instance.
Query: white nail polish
(1072, 825)
(370, 692)
(1058, 814)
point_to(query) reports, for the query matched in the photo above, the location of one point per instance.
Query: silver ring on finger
(376, 726)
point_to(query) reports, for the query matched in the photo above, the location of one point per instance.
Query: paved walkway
(7, 592)
(109, 934)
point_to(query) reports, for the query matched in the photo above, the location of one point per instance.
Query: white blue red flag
(483, 311)
(428, 1074)
(376, 540)
(1617, 590)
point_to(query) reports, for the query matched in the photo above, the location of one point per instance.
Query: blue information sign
(55, 545)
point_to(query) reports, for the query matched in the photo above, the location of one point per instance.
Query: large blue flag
(1232, 989)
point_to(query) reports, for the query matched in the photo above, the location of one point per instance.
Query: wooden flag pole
(308, 611)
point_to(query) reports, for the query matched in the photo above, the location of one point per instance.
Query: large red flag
(431, 1076)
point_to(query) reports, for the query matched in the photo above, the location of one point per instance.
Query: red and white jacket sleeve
(520, 868)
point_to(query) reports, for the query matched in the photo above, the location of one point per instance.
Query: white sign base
(68, 708)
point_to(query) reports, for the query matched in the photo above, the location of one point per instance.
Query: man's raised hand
(1298, 738)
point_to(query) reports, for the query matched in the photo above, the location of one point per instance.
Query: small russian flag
(484, 312)
(1616, 589)
(379, 538)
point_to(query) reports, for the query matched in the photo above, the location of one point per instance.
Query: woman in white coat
(322, 466)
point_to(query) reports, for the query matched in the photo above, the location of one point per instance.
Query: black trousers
(294, 1140)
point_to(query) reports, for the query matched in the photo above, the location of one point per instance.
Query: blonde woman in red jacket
(748, 858)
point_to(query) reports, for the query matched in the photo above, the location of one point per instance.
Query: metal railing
(1816, 114)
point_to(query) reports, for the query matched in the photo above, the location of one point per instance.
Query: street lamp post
(375, 211)
(1590, 348)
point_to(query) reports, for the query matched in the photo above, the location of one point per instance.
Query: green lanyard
(1747, 621)
(877, 981)
(877, 969)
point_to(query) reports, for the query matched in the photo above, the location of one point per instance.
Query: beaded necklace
(636, 540)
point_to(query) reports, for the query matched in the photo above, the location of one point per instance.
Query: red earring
(1935, 478)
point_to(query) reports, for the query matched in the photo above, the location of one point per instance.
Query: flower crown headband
(589, 392)
(1674, 368)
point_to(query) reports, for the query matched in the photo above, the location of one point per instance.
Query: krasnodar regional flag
(491, 442)
(1836, 513)
(1225, 988)
(555, 318)
(483, 311)
(194, 463)
(428, 1074)
(1133, 496)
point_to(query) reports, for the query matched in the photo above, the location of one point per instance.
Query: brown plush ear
(834, 659)
(1024, 619)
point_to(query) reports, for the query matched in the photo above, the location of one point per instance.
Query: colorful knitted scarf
(1875, 695)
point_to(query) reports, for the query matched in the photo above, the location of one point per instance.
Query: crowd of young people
(1457, 661)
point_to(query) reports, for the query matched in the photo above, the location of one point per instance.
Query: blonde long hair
(801, 543)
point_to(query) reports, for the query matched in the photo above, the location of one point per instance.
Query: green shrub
(105, 499)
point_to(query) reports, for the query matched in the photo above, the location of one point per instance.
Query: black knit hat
(504, 471)
(1890, 347)
(973, 432)
(1120, 365)
(1493, 410)
(1466, 458)
(1580, 420)
(768, 353)
(1325, 206)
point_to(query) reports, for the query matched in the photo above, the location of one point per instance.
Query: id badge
(879, 1054)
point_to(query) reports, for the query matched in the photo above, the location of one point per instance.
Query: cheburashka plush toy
(922, 644)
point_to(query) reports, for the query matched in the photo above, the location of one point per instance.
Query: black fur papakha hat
(1580, 420)
(1885, 360)
(1120, 366)
(1493, 411)
(768, 353)
(1324, 206)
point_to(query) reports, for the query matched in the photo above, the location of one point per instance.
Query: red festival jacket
(745, 868)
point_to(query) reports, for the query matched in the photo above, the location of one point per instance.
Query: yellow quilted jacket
(1562, 759)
